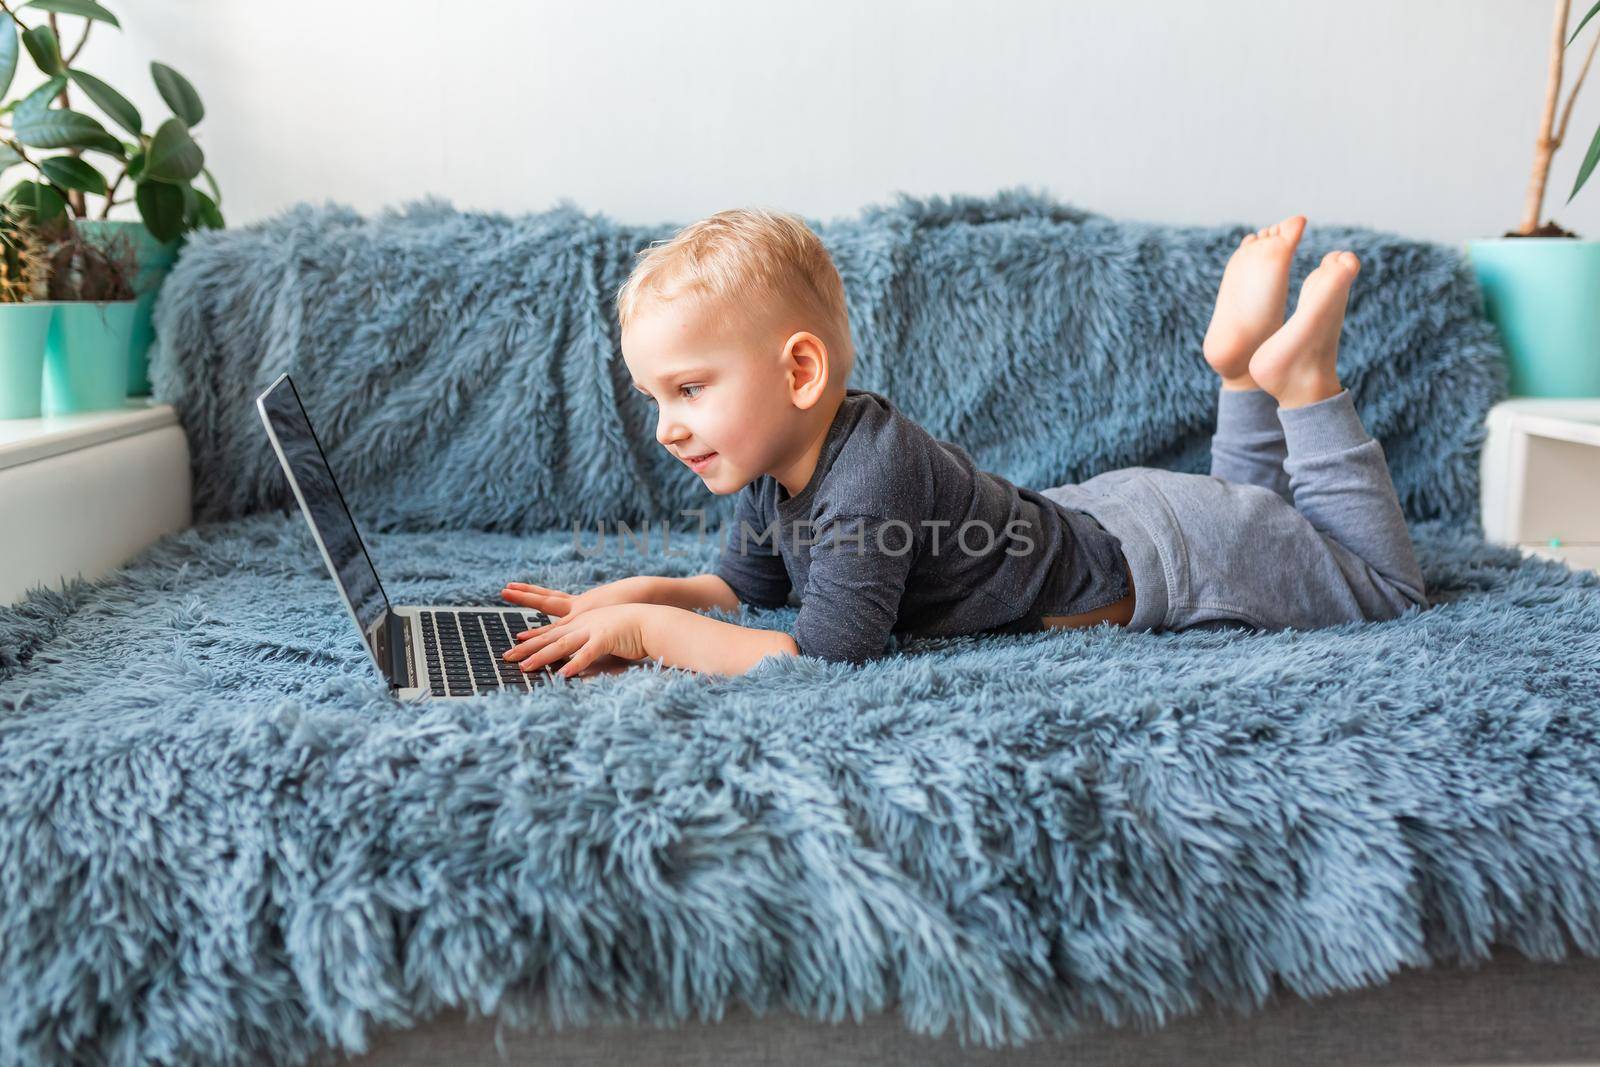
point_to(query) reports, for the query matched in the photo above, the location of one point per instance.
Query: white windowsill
(80, 494)
(26, 440)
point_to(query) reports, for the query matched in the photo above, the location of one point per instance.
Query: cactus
(84, 269)
(24, 259)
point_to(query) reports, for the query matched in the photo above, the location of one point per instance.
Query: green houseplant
(25, 313)
(161, 167)
(1541, 283)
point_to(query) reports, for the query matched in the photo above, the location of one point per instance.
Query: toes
(1336, 271)
(1247, 239)
(1342, 261)
(1288, 230)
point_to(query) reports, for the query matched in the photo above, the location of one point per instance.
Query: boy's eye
(690, 396)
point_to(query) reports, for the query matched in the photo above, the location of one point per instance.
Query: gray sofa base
(1510, 1010)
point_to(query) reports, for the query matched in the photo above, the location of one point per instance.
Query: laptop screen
(323, 505)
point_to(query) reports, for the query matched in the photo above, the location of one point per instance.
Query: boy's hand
(586, 636)
(639, 589)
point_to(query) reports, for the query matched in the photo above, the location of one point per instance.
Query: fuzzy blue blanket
(463, 369)
(219, 839)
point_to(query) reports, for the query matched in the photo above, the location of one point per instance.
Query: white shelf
(1540, 478)
(81, 494)
(26, 440)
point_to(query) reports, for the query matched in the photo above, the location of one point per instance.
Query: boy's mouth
(698, 462)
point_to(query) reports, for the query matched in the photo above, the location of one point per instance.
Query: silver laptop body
(422, 652)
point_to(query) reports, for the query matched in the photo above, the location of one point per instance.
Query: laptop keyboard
(464, 650)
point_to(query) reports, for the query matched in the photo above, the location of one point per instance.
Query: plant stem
(20, 27)
(1546, 145)
(87, 24)
(17, 148)
(74, 196)
(112, 191)
(1566, 114)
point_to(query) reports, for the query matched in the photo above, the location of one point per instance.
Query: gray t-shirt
(898, 532)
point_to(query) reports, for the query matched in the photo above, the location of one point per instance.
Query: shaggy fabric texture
(463, 369)
(220, 839)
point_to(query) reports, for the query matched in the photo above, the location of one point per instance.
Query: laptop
(425, 652)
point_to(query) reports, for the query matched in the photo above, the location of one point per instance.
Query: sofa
(223, 841)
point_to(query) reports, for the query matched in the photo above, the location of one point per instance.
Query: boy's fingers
(555, 650)
(537, 591)
(546, 603)
(580, 660)
(532, 644)
(530, 587)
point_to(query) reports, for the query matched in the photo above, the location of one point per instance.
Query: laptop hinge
(399, 642)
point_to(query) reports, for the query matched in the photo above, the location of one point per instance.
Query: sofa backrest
(463, 368)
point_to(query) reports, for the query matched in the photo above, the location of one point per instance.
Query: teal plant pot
(86, 356)
(155, 260)
(23, 327)
(1543, 295)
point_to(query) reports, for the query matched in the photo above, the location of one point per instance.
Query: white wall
(1417, 116)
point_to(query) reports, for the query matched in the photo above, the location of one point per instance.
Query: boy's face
(724, 395)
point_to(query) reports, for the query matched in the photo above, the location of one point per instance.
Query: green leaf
(173, 155)
(178, 93)
(83, 8)
(1593, 11)
(110, 146)
(9, 157)
(70, 172)
(209, 215)
(107, 99)
(43, 202)
(43, 47)
(61, 128)
(8, 52)
(38, 101)
(1587, 168)
(216, 194)
(136, 166)
(161, 206)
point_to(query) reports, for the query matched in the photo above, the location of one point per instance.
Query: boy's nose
(668, 431)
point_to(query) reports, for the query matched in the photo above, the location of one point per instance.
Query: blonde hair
(742, 265)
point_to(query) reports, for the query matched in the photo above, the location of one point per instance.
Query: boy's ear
(807, 368)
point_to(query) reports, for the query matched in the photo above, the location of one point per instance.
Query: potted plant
(24, 314)
(1541, 284)
(86, 350)
(160, 167)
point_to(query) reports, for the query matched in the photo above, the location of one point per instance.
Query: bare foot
(1296, 364)
(1255, 285)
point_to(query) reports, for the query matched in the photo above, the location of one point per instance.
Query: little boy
(736, 330)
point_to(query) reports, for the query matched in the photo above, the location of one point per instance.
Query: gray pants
(1297, 525)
